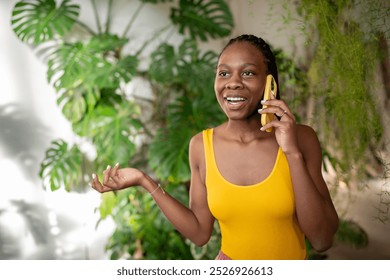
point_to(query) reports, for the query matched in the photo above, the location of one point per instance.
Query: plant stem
(135, 14)
(99, 27)
(108, 20)
(170, 34)
(86, 27)
(155, 36)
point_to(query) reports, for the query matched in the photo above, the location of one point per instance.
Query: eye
(248, 73)
(223, 73)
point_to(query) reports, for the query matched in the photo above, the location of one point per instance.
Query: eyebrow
(244, 65)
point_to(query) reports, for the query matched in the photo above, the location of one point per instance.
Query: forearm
(315, 212)
(181, 217)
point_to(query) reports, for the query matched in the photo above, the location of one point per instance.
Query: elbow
(201, 241)
(324, 239)
(322, 246)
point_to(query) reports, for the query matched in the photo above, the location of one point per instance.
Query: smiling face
(240, 80)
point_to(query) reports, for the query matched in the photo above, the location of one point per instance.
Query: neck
(244, 130)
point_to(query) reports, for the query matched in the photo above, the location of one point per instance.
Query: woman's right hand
(116, 179)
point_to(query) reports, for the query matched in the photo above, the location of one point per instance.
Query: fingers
(111, 174)
(95, 184)
(277, 107)
(284, 125)
(286, 118)
(109, 179)
(114, 171)
(106, 175)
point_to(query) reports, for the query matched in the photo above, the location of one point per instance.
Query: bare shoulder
(306, 134)
(196, 142)
(196, 149)
(308, 141)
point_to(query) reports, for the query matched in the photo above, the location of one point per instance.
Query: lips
(235, 103)
(234, 99)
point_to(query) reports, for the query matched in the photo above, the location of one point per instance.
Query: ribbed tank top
(256, 221)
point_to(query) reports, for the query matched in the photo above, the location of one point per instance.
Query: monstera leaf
(74, 102)
(203, 18)
(112, 130)
(80, 71)
(61, 167)
(194, 109)
(41, 20)
(185, 66)
(194, 67)
(90, 64)
(163, 65)
(168, 153)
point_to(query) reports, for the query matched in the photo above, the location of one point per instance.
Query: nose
(234, 83)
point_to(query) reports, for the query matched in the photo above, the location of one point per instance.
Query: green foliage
(344, 87)
(107, 205)
(203, 18)
(348, 233)
(40, 20)
(293, 83)
(91, 64)
(139, 219)
(79, 71)
(90, 74)
(193, 109)
(113, 130)
(352, 234)
(61, 167)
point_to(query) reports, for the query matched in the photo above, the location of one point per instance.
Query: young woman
(265, 189)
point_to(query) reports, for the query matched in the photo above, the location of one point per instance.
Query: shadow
(22, 138)
(27, 228)
(19, 221)
(26, 233)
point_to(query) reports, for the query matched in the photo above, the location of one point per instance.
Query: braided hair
(264, 48)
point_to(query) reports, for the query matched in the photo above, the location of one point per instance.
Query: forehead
(243, 53)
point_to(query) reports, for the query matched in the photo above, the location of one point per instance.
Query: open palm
(116, 179)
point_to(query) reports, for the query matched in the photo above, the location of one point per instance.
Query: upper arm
(312, 154)
(198, 191)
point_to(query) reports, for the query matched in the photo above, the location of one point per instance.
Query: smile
(234, 100)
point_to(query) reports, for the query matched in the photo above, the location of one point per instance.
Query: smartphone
(270, 86)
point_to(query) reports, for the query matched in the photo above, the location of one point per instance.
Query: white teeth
(235, 99)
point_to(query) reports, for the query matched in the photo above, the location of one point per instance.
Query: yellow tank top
(256, 221)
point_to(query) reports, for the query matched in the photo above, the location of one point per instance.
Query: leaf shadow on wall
(23, 138)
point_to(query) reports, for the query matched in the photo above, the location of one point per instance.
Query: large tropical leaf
(74, 102)
(38, 21)
(112, 130)
(163, 66)
(193, 110)
(196, 71)
(61, 167)
(80, 71)
(203, 18)
(90, 64)
(185, 66)
(168, 154)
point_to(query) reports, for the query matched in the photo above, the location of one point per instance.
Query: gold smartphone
(270, 86)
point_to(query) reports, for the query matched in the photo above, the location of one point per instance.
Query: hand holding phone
(270, 88)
